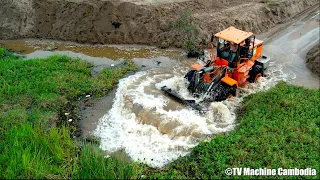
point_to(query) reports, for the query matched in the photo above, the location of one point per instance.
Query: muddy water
(101, 56)
(36, 48)
(289, 47)
(153, 128)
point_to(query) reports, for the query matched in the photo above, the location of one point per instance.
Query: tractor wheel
(221, 93)
(255, 73)
(257, 77)
(189, 75)
(233, 90)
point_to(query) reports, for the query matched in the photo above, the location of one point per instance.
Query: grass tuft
(94, 165)
(29, 152)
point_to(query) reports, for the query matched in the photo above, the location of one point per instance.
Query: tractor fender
(196, 67)
(228, 80)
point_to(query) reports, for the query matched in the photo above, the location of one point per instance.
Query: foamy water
(154, 129)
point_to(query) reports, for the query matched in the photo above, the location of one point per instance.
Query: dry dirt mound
(313, 59)
(137, 21)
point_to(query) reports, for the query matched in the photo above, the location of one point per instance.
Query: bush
(190, 32)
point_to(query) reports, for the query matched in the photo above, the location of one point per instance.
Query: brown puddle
(113, 52)
(307, 27)
(289, 47)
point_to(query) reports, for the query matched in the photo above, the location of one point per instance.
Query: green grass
(279, 129)
(98, 167)
(30, 152)
(32, 143)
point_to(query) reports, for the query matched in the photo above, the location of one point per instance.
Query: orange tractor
(238, 60)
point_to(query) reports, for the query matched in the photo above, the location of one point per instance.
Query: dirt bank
(137, 21)
(313, 59)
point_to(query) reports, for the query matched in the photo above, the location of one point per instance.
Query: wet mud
(138, 21)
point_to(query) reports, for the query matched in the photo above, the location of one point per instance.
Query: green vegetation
(190, 29)
(33, 144)
(99, 167)
(278, 128)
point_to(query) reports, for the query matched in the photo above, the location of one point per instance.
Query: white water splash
(154, 129)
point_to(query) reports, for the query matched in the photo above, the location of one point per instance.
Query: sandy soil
(313, 59)
(152, 2)
(137, 21)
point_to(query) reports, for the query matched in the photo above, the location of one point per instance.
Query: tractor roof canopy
(234, 35)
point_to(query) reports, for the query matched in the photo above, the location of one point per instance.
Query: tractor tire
(255, 73)
(221, 93)
(189, 75)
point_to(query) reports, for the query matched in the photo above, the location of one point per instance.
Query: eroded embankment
(116, 22)
(313, 59)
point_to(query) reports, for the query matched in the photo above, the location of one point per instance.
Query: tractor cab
(235, 47)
